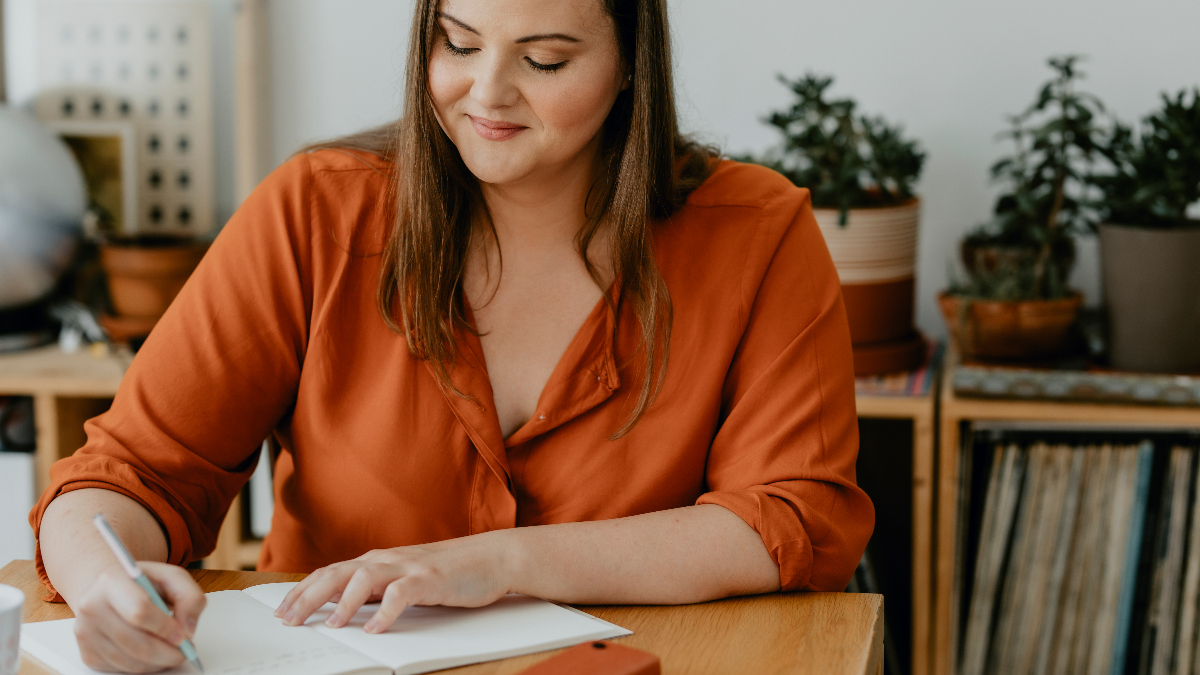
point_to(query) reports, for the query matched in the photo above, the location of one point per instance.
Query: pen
(118, 548)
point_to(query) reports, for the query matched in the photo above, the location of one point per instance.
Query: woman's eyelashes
(536, 65)
(458, 51)
(545, 67)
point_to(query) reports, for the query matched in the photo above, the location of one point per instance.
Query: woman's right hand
(119, 628)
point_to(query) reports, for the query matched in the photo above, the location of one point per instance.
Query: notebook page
(236, 636)
(432, 638)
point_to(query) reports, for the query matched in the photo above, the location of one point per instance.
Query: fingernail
(176, 637)
(290, 617)
(371, 626)
(332, 621)
(191, 625)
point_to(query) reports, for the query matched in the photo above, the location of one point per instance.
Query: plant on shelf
(1015, 302)
(144, 275)
(1155, 174)
(860, 172)
(144, 272)
(132, 263)
(1148, 244)
(846, 160)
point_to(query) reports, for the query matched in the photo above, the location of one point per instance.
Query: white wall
(948, 70)
(337, 67)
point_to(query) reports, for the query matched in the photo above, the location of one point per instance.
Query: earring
(630, 78)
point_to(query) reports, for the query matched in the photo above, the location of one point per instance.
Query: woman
(540, 344)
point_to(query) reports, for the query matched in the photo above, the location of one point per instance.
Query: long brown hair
(649, 170)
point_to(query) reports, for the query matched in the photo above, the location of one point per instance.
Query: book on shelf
(1187, 651)
(1080, 555)
(1167, 561)
(907, 383)
(1092, 385)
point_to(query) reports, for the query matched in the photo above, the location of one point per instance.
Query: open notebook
(238, 634)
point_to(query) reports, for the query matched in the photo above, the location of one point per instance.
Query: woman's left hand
(467, 572)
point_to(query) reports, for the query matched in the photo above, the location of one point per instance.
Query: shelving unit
(67, 389)
(921, 411)
(954, 413)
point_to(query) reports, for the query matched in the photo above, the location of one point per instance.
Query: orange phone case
(598, 658)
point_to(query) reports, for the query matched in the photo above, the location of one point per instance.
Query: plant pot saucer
(122, 328)
(891, 356)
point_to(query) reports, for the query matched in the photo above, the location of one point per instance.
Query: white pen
(118, 548)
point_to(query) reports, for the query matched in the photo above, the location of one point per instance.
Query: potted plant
(144, 275)
(860, 172)
(144, 272)
(1015, 303)
(145, 251)
(1149, 248)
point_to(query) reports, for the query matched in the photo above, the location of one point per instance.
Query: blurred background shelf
(68, 389)
(897, 436)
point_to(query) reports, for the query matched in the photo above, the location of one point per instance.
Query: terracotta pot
(1010, 329)
(875, 254)
(143, 280)
(1152, 288)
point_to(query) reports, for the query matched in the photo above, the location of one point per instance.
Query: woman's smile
(494, 130)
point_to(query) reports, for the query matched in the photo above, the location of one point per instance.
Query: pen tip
(198, 666)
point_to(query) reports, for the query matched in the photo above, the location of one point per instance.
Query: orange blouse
(277, 331)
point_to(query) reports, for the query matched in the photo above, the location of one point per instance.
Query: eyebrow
(525, 40)
(547, 36)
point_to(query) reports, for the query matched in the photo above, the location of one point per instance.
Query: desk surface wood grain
(778, 633)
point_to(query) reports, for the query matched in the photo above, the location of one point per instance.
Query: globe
(42, 201)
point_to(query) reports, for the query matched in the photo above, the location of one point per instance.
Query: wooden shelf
(67, 390)
(50, 370)
(953, 412)
(235, 549)
(922, 412)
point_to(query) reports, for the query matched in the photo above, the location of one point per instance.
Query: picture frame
(107, 156)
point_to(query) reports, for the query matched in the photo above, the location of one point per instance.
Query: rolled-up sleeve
(219, 370)
(783, 458)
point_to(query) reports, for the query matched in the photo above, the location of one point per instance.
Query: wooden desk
(778, 633)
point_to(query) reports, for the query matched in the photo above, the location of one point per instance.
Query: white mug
(12, 602)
